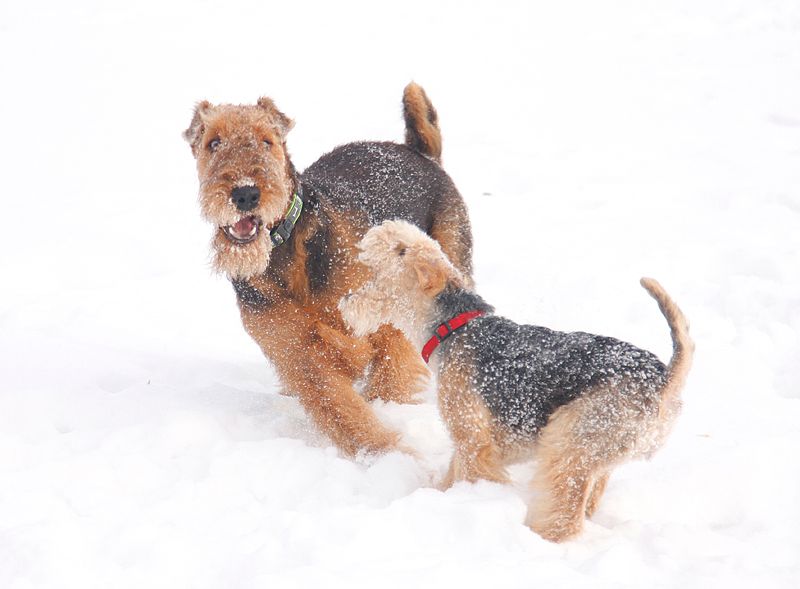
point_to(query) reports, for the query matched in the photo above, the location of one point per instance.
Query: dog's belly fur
(525, 372)
(381, 181)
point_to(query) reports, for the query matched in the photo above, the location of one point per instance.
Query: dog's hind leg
(565, 474)
(451, 228)
(596, 493)
(563, 486)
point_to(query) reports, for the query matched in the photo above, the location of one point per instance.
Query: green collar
(281, 232)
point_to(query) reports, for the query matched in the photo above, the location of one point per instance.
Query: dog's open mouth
(243, 231)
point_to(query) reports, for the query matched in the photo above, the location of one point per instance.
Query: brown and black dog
(287, 242)
(580, 404)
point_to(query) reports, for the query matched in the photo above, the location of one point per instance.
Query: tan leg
(576, 451)
(397, 372)
(341, 413)
(471, 469)
(476, 460)
(450, 477)
(560, 505)
(319, 363)
(564, 476)
(596, 494)
(469, 422)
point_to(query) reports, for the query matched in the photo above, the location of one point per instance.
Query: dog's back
(384, 181)
(525, 372)
(375, 181)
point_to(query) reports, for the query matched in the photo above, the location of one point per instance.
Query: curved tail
(422, 123)
(682, 345)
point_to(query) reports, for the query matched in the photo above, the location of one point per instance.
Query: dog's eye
(401, 252)
(267, 142)
(214, 144)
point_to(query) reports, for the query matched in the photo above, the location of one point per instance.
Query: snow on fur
(144, 442)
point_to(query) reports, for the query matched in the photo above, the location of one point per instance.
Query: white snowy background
(143, 442)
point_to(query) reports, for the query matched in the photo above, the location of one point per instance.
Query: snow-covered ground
(143, 442)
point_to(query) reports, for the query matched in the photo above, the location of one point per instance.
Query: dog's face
(407, 270)
(245, 180)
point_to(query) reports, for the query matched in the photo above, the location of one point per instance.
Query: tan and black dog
(580, 404)
(287, 242)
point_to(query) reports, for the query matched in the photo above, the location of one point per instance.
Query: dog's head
(246, 180)
(407, 269)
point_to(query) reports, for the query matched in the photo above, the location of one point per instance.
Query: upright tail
(422, 123)
(682, 345)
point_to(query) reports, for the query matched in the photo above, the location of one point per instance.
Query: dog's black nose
(245, 197)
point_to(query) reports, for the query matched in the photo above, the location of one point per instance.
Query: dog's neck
(452, 302)
(282, 231)
(286, 274)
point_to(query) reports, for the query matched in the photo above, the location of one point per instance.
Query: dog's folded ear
(195, 131)
(283, 123)
(432, 276)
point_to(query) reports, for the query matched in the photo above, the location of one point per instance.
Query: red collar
(444, 331)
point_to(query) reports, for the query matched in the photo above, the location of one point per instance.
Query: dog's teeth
(242, 236)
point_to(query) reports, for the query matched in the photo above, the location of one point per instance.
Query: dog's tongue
(244, 228)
